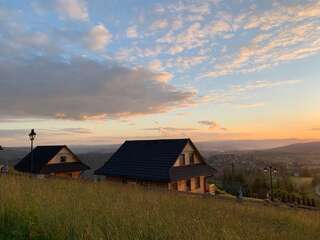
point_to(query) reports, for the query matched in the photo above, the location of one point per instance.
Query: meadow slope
(68, 209)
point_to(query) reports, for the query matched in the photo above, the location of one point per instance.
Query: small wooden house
(174, 163)
(52, 160)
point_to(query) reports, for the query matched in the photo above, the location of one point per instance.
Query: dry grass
(67, 209)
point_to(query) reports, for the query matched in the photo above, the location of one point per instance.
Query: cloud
(198, 8)
(211, 125)
(84, 89)
(132, 32)
(262, 84)
(159, 24)
(98, 38)
(14, 133)
(218, 27)
(283, 14)
(76, 130)
(73, 9)
(175, 49)
(234, 92)
(155, 65)
(315, 129)
(282, 35)
(177, 24)
(251, 105)
(36, 39)
(169, 129)
(186, 62)
(163, 77)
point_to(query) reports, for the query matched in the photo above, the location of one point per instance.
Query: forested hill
(310, 147)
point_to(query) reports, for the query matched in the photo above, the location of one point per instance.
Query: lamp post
(271, 170)
(32, 136)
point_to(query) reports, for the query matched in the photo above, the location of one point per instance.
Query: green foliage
(316, 180)
(50, 209)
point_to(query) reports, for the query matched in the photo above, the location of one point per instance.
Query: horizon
(264, 143)
(97, 73)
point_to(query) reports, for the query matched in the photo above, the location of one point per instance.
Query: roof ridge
(160, 139)
(51, 145)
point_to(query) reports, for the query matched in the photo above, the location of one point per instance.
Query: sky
(101, 72)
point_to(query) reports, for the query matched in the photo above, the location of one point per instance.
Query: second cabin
(172, 163)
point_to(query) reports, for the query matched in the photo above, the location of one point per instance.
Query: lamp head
(32, 135)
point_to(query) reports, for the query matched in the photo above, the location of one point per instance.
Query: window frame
(63, 159)
(182, 160)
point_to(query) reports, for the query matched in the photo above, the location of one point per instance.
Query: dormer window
(63, 159)
(192, 158)
(182, 160)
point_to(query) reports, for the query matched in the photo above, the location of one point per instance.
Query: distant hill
(245, 145)
(309, 147)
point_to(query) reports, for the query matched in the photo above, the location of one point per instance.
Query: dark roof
(149, 160)
(41, 155)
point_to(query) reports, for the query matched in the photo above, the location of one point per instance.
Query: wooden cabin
(52, 160)
(175, 164)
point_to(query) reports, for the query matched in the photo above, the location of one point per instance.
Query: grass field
(68, 209)
(306, 184)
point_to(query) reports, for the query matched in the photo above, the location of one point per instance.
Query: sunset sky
(100, 72)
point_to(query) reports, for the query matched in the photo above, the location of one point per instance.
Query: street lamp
(32, 136)
(271, 170)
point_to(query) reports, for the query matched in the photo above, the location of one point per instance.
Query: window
(124, 180)
(197, 182)
(63, 159)
(182, 160)
(192, 158)
(174, 186)
(188, 185)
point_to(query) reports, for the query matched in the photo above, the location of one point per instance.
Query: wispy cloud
(283, 35)
(23, 133)
(73, 9)
(212, 125)
(132, 32)
(98, 37)
(159, 24)
(169, 129)
(233, 92)
(250, 105)
(315, 129)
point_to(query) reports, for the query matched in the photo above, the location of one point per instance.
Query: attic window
(191, 158)
(63, 159)
(182, 160)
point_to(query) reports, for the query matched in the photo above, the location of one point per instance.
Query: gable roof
(41, 155)
(149, 160)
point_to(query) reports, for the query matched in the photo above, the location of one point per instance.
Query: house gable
(188, 156)
(64, 156)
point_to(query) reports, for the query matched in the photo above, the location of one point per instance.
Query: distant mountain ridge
(247, 145)
(309, 147)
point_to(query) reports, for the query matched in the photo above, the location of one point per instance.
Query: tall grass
(68, 209)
